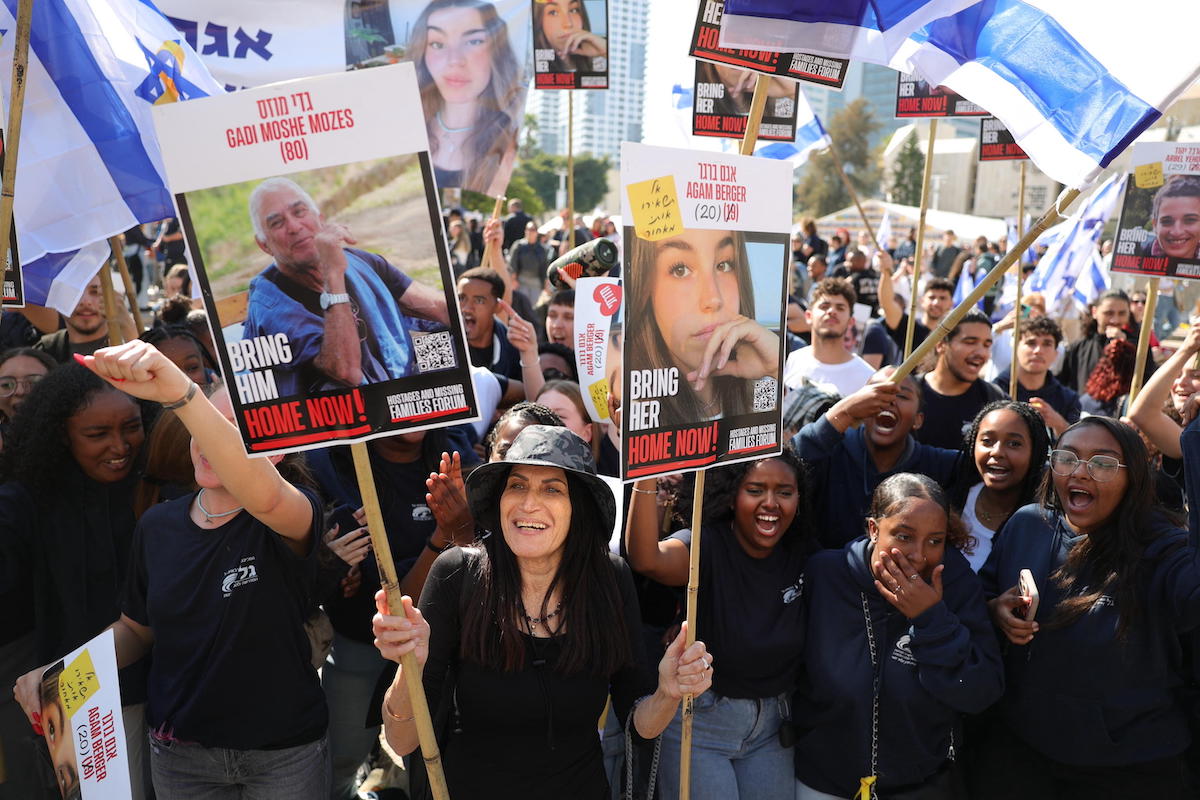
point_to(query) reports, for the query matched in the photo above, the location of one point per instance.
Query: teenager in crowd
(20, 370)
(1033, 306)
(754, 546)
(1110, 319)
(1107, 388)
(1159, 408)
(1007, 446)
(560, 318)
(828, 361)
(188, 353)
(565, 399)
(480, 296)
(865, 280)
(69, 467)
(856, 444)
(897, 646)
(529, 633)
(953, 391)
(85, 331)
(1090, 708)
(1036, 385)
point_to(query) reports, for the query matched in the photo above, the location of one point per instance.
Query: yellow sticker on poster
(77, 683)
(1148, 176)
(655, 208)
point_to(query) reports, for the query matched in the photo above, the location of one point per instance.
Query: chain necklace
(450, 136)
(983, 514)
(208, 515)
(534, 622)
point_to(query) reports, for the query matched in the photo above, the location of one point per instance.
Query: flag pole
(570, 220)
(1012, 379)
(391, 585)
(837, 162)
(1052, 216)
(919, 254)
(110, 307)
(117, 243)
(1143, 342)
(12, 136)
(487, 245)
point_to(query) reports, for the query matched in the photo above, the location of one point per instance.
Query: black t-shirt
(749, 613)
(875, 340)
(899, 332)
(948, 418)
(865, 283)
(227, 607)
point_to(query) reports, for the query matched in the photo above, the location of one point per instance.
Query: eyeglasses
(1102, 468)
(8, 386)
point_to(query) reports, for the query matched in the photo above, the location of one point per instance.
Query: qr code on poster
(434, 351)
(766, 389)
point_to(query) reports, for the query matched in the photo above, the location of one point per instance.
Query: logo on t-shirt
(903, 653)
(241, 575)
(794, 591)
(421, 513)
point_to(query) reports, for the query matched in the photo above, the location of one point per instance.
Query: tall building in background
(603, 118)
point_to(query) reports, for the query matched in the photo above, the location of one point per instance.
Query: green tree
(529, 138)
(518, 188)
(909, 173)
(820, 191)
(591, 178)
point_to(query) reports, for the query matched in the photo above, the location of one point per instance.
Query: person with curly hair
(755, 544)
(1108, 385)
(512, 422)
(1007, 448)
(897, 647)
(69, 468)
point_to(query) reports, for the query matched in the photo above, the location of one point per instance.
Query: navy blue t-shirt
(232, 663)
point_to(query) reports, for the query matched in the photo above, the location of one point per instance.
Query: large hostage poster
(310, 212)
(82, 725)
(1159, 231)
(473, 63)
(704, 263)
(570, 44)
(706, 36)
(597, 320)
(722, 104)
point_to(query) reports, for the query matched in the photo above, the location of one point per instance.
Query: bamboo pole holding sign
(497, 209)
(117, 243)
(111, 312)
(570, 220)
(1012, 380)
(391, 585)
(1051, 217)
(919, 254)
(762, 83)
(1143, 343)
(12, 133)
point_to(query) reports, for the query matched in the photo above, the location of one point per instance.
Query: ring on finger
(913, 577)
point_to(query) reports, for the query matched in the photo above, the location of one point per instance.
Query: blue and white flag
(885, 230)
(1059, 74)
(1071, 272)
(89, 164)
(966, 284)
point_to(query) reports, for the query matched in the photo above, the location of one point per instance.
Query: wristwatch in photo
(328, 299)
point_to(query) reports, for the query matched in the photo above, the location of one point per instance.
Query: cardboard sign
(312, 218)
(1159, 231)
(916, 98)
(996, 142)
(702, 344)
(570, 44)
(597, 312)
(723, 96)
(821, 70)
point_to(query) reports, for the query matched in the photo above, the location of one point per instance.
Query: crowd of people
(936, 590)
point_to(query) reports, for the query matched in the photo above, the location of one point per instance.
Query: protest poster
(722, 104)
(821, 70)
(82, 725)
(597, 310)
(1159, 231)
(706, 252)
(996, 142)
(14, 284)
(311, 215)
(473, 97)
(570, 44)
(916, 98)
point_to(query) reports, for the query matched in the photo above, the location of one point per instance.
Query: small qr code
(434, 351)
(599, 64)
(785, 107)
(765, 391)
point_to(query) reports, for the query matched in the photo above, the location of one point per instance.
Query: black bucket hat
(541, 446)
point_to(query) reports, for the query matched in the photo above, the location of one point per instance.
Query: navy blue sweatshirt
(1077, 694)
(844, 476)
(943, 663)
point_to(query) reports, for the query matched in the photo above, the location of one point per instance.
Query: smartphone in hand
(1027, 588)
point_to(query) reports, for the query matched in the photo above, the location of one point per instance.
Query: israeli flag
(966, 284)
(89, 164)
(885, 230)
(1057, 73)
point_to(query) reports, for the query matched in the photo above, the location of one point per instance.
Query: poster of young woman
(597, 311)
(704, 262)
(1159, 231)
(570, 44)
(82, 725)
(821, 70)
(314, 227)
(722, 104)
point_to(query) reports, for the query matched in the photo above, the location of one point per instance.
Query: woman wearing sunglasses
(1091, 708)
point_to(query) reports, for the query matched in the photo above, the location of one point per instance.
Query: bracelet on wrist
(429, 545)
(645, 491)
(183, 401)
(393, 714)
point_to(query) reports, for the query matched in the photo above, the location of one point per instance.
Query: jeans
(735, 751)
(185, 771)
(1166, 317)
(349, 679)
(805, 792)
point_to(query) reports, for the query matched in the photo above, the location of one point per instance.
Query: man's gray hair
(270, 185)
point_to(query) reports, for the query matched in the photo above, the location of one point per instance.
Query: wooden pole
(117, 243)
(1052, 216)
(693, 589)
(110, 307)
(570, 220)
(1143, 343)
(391, 585)
(1012, 380)
(12, 135)
(497, 209)
(919, 255)
(837, 162)
(762, 83)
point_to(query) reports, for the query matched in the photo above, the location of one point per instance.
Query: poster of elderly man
(310, 212)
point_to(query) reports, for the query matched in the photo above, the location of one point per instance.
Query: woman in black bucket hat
(522, 638)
